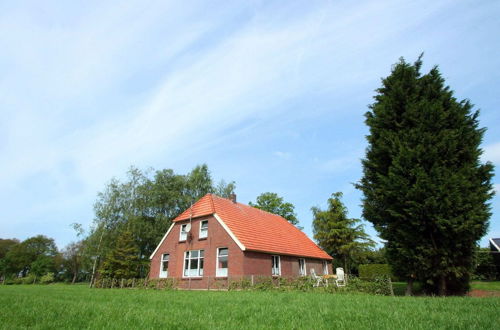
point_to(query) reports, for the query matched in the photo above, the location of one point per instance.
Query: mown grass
(489, 286)
(70, 307)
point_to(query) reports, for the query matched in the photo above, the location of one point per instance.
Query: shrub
(30, 279)
(47, 278)
(372, 271)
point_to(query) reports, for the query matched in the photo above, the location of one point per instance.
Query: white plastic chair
(340, 281)
(319, 280)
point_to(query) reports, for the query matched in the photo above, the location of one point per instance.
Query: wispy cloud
(88, 89)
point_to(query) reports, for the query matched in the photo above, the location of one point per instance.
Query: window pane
(202, 253)
(194, 254)
(165, 266)
(204, 225)
(165, 257)
(223, 262)
(223, 252)
(194, 264)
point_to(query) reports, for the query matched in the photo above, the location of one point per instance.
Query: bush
(372, 271)
(47, 278)
(30, 279)
(378, 286)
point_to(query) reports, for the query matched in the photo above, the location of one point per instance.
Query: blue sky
(270, 94)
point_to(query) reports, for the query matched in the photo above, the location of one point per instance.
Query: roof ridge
(212, 202)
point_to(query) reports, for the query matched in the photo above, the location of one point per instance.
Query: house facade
(218, 238)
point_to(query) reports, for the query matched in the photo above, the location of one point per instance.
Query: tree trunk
(409, 287)
(442, 286)
(74, 278)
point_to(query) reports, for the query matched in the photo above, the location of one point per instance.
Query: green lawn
(66, 306)
(489, 286)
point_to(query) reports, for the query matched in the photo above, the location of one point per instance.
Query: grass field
(66, 306)
(490, 286)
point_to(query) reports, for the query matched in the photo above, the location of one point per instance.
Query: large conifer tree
(424, 187)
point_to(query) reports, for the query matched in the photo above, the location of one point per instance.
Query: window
(222, 255)
(193, 263)
(184, 232)
(276, 270)
(204, 229)
(302, 267)
(325, 268)
(164, 265)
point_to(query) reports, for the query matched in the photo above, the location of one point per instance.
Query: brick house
(218, 238)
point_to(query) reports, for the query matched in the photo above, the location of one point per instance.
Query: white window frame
(275, 271)
(183, 233)
(221, 272)
(325, 267)
(164, 258)
(203, 233)
(302, 267)
(199, 270)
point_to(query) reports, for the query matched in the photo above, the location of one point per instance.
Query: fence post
(390, 287)
(208, 283)
(252, 281)
(121, 284)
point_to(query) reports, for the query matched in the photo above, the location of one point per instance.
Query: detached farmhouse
(220, 238)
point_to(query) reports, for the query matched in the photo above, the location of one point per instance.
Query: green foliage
(371, 271)
(6, 245)
(35, 254)
(485, 268)
(30, 279)
(47, 278)
(145, 203)
(272, 203)
(425, 190)
(380, 285)
(341, 237)
(123, 261)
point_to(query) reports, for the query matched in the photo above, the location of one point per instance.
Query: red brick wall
(217, 237)
(257, 263)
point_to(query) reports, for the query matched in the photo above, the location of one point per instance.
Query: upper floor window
(222, 258)
(302, 267)
(276, 267)
(204, 229)
(193, 263)
(164, 265)
(184, 232)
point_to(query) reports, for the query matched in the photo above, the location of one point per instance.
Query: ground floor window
(164, 265)
(325, 267)
(193, 263)
(222, 258)
(302, 267)
(276, 267)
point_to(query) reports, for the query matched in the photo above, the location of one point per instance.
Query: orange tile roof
(257, 230)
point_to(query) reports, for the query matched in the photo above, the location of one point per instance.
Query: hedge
(371, 271)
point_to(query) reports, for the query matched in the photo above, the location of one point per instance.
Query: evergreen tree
(341, 237)
(425, 190)
(123, 261)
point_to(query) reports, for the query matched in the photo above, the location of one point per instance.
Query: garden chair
(340, 281)
(319, 280)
